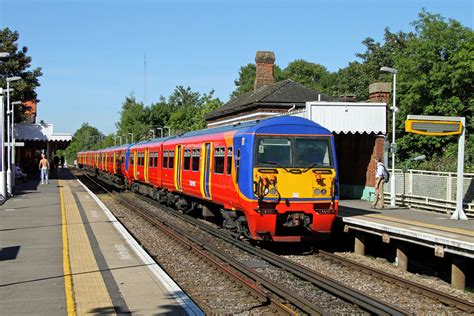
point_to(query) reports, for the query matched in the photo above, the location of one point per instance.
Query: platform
(63, 252)
(425, 228)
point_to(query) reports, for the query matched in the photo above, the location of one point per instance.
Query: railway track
(360, 299)
(364, 301)
(442, 297)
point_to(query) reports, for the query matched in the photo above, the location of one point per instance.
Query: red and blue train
(272, 180)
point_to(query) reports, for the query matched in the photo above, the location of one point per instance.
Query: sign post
(443, 126)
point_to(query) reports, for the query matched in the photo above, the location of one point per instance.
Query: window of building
(187, 159)
(196, 154)
(229, 160)
(219, 156)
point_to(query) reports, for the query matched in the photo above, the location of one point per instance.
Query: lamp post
(153, 133)
(3, 189)
(393, 145)
(13, 141)
(9, 111)
(161, 131)
(169, 130)
(132, 136)
(119, 136)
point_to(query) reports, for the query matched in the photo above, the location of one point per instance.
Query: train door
(135, 164)
(146, 162)
(178, 168)
(206, 170)
(114, 162)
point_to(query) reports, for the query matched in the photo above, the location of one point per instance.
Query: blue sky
(92, 52)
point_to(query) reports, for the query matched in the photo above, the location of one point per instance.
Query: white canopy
(39, 132)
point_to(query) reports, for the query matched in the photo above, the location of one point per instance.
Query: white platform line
(174, 289)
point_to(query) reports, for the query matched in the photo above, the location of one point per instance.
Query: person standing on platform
(61, 161)
(379, 181)
(44, 167)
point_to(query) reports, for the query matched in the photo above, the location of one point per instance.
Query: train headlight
(323, 191)
(317, 192)
(273, 191)
(265, 191)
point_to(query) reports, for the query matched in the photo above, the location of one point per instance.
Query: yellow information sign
(432, 127)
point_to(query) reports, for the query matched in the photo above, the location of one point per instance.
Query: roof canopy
(39, 132)
(348, 117)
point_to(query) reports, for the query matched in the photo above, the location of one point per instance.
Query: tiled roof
(281, 94)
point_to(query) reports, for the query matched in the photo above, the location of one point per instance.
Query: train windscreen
(293, 152)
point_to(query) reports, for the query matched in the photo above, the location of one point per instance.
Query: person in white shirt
(379, 181)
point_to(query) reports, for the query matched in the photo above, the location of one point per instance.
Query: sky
(92, 52)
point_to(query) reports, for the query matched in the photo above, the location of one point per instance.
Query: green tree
(134, 119)
(86, 137)
(436, 77)
(311, 75)
(18, 64)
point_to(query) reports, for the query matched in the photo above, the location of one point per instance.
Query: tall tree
(134, 119)
(311, 75)
(18, 64)
(436, 77)
(86, 137)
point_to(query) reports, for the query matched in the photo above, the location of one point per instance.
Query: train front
(294, 182)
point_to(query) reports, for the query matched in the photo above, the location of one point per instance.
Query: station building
(33, 139)
(359, 127)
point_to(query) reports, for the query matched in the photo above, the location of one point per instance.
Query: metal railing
(432, 190)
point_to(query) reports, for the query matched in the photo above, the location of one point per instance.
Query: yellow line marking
(432, 226)
(68, 286)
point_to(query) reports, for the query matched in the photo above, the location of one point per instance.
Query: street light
(13, 140)
(9, 170)
(153, 133)
(169, 130)
(393, 145)
(3, 191)
(132, 136)
(161, 131)
(119, 136)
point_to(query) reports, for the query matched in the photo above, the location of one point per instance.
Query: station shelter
(359, 127)
(37, 138)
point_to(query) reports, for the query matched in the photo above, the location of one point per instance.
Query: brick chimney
(264, 62)
(380, 92)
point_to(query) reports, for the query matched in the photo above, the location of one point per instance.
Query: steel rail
(442, 297)
(366, 302)
(196, 246)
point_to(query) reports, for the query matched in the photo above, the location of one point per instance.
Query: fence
(431, 190)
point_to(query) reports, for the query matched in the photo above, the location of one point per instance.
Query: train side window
(195, 159)
(156, 159)
(187, 159)
(150, 160)
(171, 160)
(165, 159)
(229, 160)
(219, 155)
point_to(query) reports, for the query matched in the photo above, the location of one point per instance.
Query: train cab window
(187, 159)
(165, 159)
(219, 155)
(171, 160)
(229, 160)
(196, 154)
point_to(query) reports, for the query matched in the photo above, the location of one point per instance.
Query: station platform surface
(431, 229)
(63, 252)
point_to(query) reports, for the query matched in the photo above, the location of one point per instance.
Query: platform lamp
(161, 131)
(13, 140)
(3, 187)
(152, 133)
(393, 145)
(169, 130)
(132, 136)
(9, 148)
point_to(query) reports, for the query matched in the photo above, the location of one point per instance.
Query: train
(268, 180)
